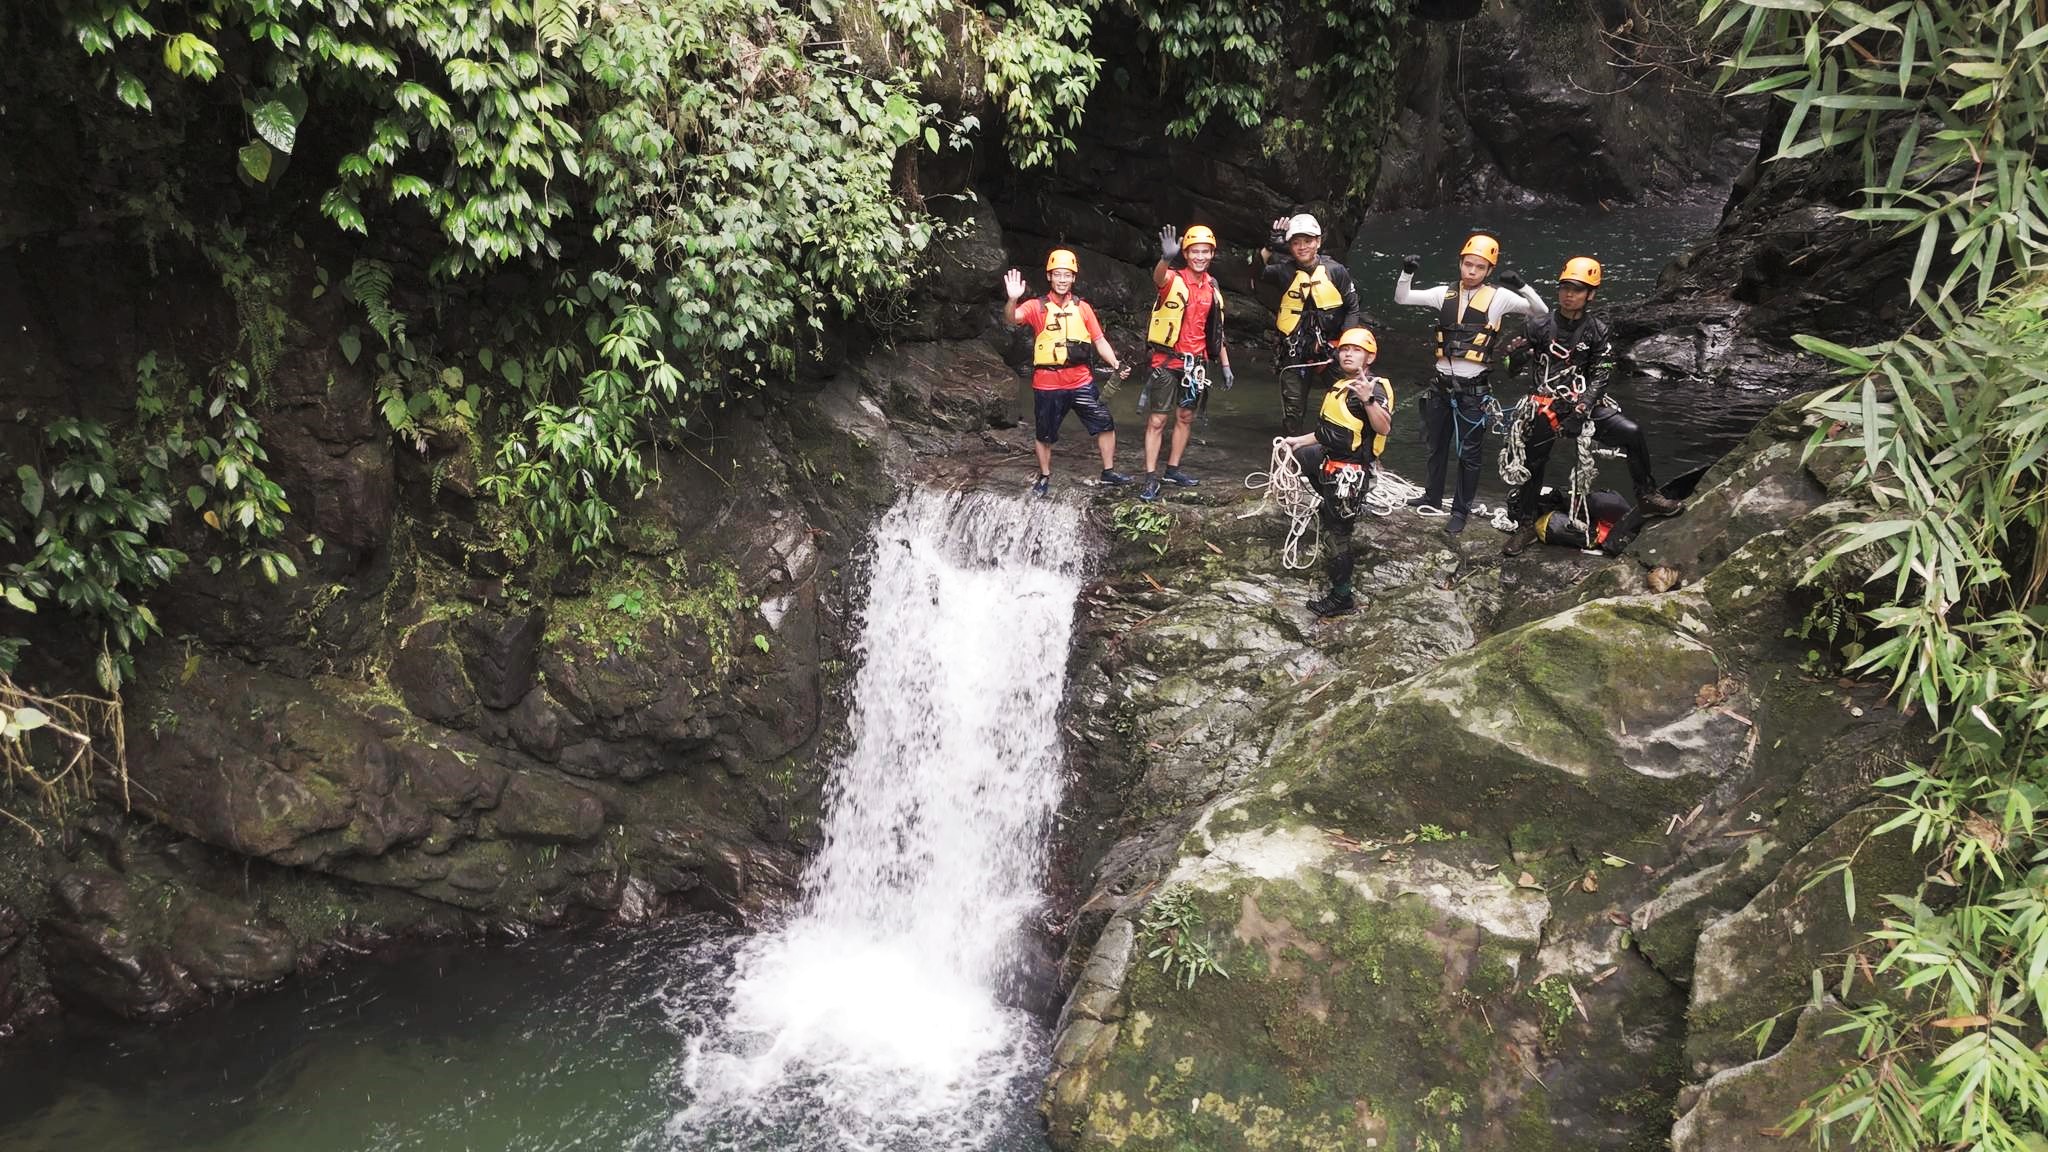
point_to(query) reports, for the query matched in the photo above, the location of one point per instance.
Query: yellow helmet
(1359, 338)
(1580, 270)
(1199, 234)
(1483, 246)
(1063, 258)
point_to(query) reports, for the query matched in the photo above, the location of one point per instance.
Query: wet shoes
(1455, 524)
(1657, 504)
(1111, 478)
(1042, 487)
(1525, 535)
(1151, 490)
(1179, 478)
(1333, 604)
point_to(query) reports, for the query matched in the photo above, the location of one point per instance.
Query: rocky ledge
(1505, 861)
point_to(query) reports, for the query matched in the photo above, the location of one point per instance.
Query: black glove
(1277, 241)
(1169, 244)
(1512, 279)
(1229, 378)
(1411, 264)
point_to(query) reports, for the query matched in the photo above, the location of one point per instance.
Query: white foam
(875, 1019)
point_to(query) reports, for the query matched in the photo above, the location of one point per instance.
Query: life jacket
(1164, 331)
(1343, 432)
(1309, 290)
(1061, 330)
(1472, 335)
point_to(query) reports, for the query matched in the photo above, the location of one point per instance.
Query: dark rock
(98, 950)
(224, 952)
(547, 810)
(501, 654)
(428, 672)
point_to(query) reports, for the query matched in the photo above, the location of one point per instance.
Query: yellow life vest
(1167, 315)
(1337, 413)
(1309, 289)
(1063, 326)
(1469, 336)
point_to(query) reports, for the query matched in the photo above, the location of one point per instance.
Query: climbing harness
(1194, 375)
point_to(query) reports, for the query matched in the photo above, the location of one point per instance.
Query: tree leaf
(255, 157)
(276, 124)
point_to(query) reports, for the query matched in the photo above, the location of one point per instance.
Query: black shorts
(1086, 402)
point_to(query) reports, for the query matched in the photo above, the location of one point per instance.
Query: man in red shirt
(1067, 340)
(1186, 336)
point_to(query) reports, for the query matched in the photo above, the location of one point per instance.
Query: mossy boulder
(1759, 962)
(1365, 1000)
(1571, 730)
(1744, 1108)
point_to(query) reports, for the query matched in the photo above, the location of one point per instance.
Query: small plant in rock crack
(1169, 927)
(1143, 524)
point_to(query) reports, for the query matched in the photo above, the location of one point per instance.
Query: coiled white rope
(1287, 489)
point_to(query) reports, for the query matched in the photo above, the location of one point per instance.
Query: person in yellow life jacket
(1468, 342)
(1337, 458)
(1186, 337)
(1318, 301)
(1067, 340)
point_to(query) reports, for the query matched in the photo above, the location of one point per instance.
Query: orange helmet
(1581, 270)
(1199, 234)
(1063, 258)
(1483, 246)
(1359, 338)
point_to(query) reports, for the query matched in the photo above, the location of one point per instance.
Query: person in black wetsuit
(1572, 358)
(1318, 301)
(1337, 458)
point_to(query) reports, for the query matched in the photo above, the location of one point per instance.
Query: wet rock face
(1463, 891)
(1519, 100)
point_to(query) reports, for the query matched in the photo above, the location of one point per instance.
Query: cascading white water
(874, 1019)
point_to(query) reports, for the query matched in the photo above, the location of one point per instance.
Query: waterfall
(874, 1018)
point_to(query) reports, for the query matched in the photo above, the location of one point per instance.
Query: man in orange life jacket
(1573, 363)
(1318, 301)
(1067, 339)
(1337, 458)
(1468, 339)
(1186, 337)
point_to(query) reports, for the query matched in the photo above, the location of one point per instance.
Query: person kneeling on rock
(1337, 458)
(1572, 359)
(1067, 340)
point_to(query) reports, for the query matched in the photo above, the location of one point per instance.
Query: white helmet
(1303, 225)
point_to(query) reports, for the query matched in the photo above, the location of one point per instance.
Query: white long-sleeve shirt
(1506, 302)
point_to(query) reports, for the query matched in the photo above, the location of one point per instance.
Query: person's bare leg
(1183, 427)
(1044, 457)
(1105, 444)
(1155, 431)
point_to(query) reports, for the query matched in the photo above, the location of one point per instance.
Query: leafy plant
(1143, 524)
(1945, 104)
(1169, 926)
(1836, 625)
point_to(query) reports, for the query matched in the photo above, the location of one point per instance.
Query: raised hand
(1013, 283)
(1510, 278)
(1169, 243)
(1411, 264)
